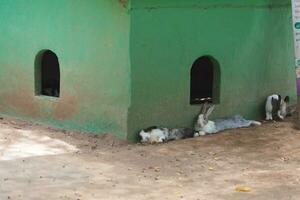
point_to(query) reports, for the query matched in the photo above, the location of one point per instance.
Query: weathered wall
(252, 40)
(91, 40)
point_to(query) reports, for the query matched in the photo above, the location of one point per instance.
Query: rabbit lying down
(158, 135)
(204, 126)
(219, 125)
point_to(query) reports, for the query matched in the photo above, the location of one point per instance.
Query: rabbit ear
(209, 111)
(287, 99)
(201, 109)
(204, 108)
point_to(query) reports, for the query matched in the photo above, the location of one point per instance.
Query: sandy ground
(37, 162)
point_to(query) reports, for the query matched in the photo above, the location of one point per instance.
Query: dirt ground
(37, 162)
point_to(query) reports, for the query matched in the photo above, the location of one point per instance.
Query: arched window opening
(47, 74)
(205, 81)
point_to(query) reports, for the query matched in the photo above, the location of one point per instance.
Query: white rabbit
(204, 126)
(275, 105)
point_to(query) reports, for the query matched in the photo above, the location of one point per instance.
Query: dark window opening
(47, 74)
(205, 78)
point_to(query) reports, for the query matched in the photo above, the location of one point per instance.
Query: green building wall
(125, 65)
(91, 40)
(252, 41)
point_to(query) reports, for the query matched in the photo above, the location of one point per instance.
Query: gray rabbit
(204, 126)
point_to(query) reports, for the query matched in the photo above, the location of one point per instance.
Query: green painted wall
(91, 40)
(126, 68)
(252, 40)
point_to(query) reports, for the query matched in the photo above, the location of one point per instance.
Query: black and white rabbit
(155, 134)
(276, 106)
